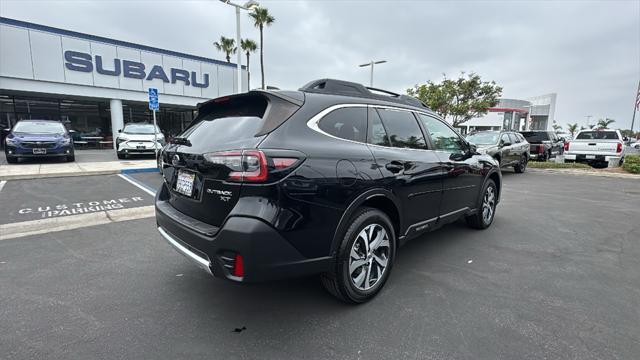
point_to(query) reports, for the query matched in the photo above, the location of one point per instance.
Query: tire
(71, 158)
(478, 220)
(353, 287)
(12, 159)
(522, 165)
(121, 156)
(547, 156)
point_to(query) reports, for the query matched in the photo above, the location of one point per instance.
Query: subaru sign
(79, 61)
(153, 99)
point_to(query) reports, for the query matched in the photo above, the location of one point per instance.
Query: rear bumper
(266, 254)
(586, 158)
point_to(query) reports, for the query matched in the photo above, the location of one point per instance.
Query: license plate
(140, 147)
(590, 157)
(184, 185)
(39, 151)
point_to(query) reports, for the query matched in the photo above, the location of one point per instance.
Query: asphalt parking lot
(556, 276)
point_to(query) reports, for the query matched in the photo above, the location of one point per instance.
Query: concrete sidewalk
(33, 171)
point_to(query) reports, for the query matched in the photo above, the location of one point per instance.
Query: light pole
(249, 5)
(371, 64)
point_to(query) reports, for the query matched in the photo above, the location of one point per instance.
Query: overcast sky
(588, 52)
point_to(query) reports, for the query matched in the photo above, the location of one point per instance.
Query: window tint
(443, 137)
(505, 138)
(514, 138)
(522, 139)
(535, 136)
(403, 129)
(346, 123)
(597, 135)
(377, 132)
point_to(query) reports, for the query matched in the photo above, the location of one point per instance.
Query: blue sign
(153, 99)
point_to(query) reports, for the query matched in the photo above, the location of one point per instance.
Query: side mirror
(72, 131)
(119, 130)
(7, 129)
(625, 139)
(473, 149)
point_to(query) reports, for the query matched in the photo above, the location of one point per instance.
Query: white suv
(138, 138)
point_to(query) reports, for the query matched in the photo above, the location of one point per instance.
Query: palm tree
(604, 123)
(226, 45)
(573, 129)
(248, 46)
(261, 18)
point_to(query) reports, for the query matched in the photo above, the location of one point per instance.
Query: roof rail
(341, 87)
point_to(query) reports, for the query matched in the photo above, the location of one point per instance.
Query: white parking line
(2, 184)
(137, 184)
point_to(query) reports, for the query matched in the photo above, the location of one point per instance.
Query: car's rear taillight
(566, 146)
(619, 148)
(540, 149)
(248, 165)
(238, 266)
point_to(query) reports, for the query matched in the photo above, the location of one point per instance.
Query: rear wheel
(522, 165)
(364, 259)
(483, 218)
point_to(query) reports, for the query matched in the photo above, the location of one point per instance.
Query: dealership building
(536, 113)
(95, 84)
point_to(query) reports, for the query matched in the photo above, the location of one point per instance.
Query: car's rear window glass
(377, 133)
(39, 127)
(483, 138)
(535, 136)
(403, 129)
(346, 123)
(597, 135)
(229, 120)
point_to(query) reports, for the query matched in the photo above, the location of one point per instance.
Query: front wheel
(364, 259)
(522, 165)
(483, 218)
(121, 156)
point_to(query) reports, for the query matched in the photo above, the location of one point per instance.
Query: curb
(586, 172)
(77, 173)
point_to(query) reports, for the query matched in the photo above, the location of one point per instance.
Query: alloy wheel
(488, 205)
(369, 257)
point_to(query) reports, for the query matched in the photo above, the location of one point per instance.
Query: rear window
(597, 135)
(346, 123)
(228, 119)
(535, 136)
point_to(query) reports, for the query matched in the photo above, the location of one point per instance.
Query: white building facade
(96, 84)
(536, 113)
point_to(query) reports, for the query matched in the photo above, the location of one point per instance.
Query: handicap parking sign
(153, 99)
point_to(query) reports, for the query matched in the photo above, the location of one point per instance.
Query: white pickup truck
(598, 148)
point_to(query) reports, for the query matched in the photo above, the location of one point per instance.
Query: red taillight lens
(619, 148)
(238, 266)
(247, 165)
(283, 163)
(566, 146)
(540, 149)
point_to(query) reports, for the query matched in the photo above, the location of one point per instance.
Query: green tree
(604, 123)
(573, 129)
(262, 18)
(458, 99)
(227, 46)
(248, 46)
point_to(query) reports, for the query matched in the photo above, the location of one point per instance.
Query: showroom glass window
(402, 128)
(442, 136)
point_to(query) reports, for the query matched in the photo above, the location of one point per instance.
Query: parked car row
(509, 148)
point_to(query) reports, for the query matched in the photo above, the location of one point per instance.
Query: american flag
(638, 97)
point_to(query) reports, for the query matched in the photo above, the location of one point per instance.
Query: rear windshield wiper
(181, 141)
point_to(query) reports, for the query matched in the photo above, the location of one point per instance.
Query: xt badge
(225, 195)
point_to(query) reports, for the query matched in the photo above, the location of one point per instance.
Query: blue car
(38, 138)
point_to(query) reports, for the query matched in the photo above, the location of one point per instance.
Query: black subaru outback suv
(326, 180)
